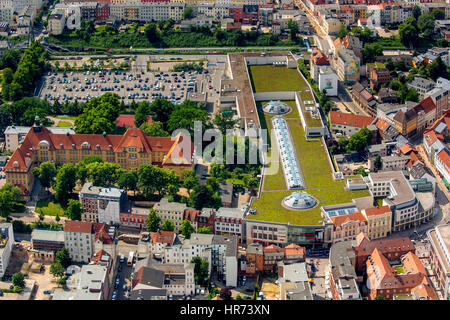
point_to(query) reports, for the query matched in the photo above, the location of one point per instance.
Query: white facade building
(6, 244)
(328, 80)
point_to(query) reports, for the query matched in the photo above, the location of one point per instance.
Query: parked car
(47, 292)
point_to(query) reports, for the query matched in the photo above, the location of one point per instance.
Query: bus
(130, 258)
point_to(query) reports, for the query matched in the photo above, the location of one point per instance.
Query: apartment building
(421, 85)
(172, 211)
(175, 279)
(406, 122)
(129, 151)
(229, 221)
(254, 256)
(364, 99)
(347, 227)
(408, 208)
(342, 275)
(440, 257)
(220, 251)
(45, 244)
(378, 76)
(328, 81)
(93, 284)
(387, 280)
(393, 249)
(6, 10)
(347, 123)
(272, 256)
(84, 239)
(154, 243)
(56, 22)
(102, 204)
(295, 282)
(318, 58)
(6, 245)
(379, 221)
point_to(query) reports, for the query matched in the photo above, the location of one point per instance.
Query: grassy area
(399, 269)
(64, 117)
(64, 124)
(376, 65)
(268, 78)
(49, 208)
(310, 121)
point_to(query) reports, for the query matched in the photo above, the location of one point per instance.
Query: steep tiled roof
(349, 119)
(445, 157)
(382, 124)
(338, 221)
(318, 58)
(293, 250)
(425, 105)
(101, 231)
(133, 137)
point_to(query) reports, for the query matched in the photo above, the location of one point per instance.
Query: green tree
(128, 180)
(185, 115)
(18, 280)
(168, 225)
(103, 173)
(154, 129)
(152, 33)
(46, 173)
(378, 163)
(63, 257)
(190, 180)
(74, 210)
(343, 32)
(408, 34)
(57, 270)
(225, 293)
(416, 12)
(238, 297)
(201, 270)
(9, 195)
(81, 169)
(153, 221)
(205, 230)
(379, 297)
(359, 140)
(425, 23)
(161, 110)
(188, 13)
(438, 14)
(186, 229)
(204, 197)
(65, 182)
(212, 293)
(372, 51)
(225, 122)
(293, 29)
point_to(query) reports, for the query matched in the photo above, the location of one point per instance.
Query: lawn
(64, 117)
(49, 208)
(399, 269)
(64, 124)
(268, 78)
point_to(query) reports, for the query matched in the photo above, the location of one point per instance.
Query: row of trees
(21, 82)
(149, 179)
(419, 27)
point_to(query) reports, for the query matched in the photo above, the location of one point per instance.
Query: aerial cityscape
(252, 150)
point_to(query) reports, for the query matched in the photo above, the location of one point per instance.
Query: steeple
(37, 124)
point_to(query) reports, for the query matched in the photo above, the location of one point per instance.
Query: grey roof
(147, 294)
(24, 130)
(295, 272)
(342, 259)
(234, 213)
(89, 286)
(164, 204)
(403, 190)
(47, 235)
(152, 277)
(296, 290)
(226, 191)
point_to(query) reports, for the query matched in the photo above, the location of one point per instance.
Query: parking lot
(137, 84)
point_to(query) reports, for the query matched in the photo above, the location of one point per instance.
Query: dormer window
(85, 145)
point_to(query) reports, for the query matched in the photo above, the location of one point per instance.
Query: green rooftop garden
(268, 78)
(312, 155)
(376, 65)
(399, 269)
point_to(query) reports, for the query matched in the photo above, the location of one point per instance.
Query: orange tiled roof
(128, 120)
(377, 210)
(382, 124)
(348, 119)
(445, 157)
(133, 137)
(272, 248)
(101, 232)
(406, 149)
(294, 250)
(78, 226)
(425, 105)
(162, 236)
(338, 221)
